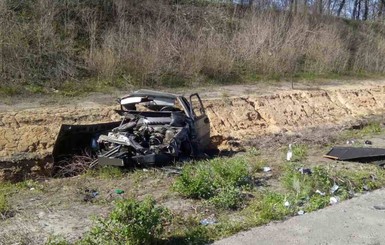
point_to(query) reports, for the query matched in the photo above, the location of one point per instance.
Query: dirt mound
(247, 117)
(33, 131)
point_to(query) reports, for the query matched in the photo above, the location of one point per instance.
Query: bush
(304, 185)
(206, 179)
(131, 222)
(228, 197)
(270, 206)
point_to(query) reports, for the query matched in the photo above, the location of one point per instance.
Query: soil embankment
(31, 133)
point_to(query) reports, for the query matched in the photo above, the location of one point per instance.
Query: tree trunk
(359, 10)
(320, 6)
(354, 9)
(366, 10)
(342, 4)
(381, 8)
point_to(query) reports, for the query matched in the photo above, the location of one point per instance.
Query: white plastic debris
(334, 188)
(266, 169)
(320, 192)
(208, 221)
(289, 154)
(32, 189)
(287, 204)
(334, 200)
(350, 142)
(301, 212)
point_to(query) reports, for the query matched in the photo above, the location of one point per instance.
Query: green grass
(4, 205)
(139, 222)
(300, 152)
(57, 240)
(372, 128)
(9, 91)
(131, 222)
(219, 180)
(105, 172)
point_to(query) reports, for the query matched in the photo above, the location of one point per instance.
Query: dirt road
(355, 221)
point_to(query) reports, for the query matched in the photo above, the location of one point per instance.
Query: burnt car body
(156, 128)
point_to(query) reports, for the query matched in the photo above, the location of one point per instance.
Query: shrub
(270, 206)
(304, 185)
(207, 178)
(228, 197)
(131, 222)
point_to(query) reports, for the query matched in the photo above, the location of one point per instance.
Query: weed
(131, 222)
(9, 91)
(4, 205)
(228, 197)
(316, 202)
(56, 240)
(187, 230)
(106, 172)
(205, 179)
(299, 152)
(372, 128)
(268, 206)
(304, 185)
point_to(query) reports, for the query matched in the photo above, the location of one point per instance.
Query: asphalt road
(354, 221)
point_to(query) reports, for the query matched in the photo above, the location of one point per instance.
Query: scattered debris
(289, 154)
(266, 169)
(305, 171)
(119, 191)
(208, 221)
(350, 142)
(287, 204)
(334, 188)
(379, 207)
(90, 195)
(358, 154)
(301, 212)
(320, 192)
(334, 200)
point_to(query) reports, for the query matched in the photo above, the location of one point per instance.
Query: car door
(201, 122)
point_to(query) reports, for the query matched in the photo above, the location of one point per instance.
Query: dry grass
(151, 43)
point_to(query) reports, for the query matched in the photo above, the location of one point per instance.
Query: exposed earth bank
(31, 133)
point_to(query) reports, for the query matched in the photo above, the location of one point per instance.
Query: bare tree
(342, 4)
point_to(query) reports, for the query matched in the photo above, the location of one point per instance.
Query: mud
(31, 133)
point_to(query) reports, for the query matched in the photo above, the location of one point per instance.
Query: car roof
(147, 92)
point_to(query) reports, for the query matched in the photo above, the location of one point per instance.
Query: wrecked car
(155, 128)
